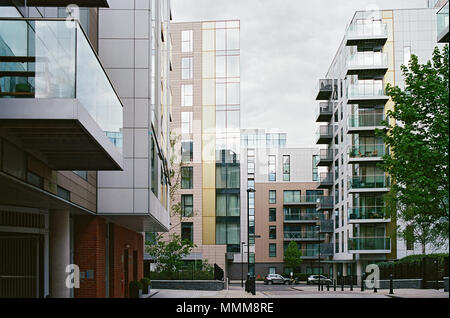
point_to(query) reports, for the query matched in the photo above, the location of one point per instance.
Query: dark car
(276, 279)
(314, 279)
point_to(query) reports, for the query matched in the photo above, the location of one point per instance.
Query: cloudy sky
(286, 46)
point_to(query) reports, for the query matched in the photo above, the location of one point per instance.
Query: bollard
(375, 288)
(351, 283)
(334, 284)
(391, 285)
(328, 286)
(342, 283)
(362, 282)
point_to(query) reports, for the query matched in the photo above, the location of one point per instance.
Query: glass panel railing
(366, 120)
(325, 202)
(367, 151)
(365, 90)
(325, 108)
(302, 199)
(367, 30)
(324, 131)
(369, 181)
(366, 213)
(45, 59)
(367, 59)
(369, 243)
(327, 154)
(326, 177)
(304, 217)
(291, 235)
(443, 18)
(324, 85)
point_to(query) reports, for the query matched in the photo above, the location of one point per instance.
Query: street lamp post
(318, 237)
(242, 264)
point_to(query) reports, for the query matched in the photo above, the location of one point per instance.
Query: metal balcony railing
(367, 151)
(369, 243)
(366, 213)
(366, 120)
(369, 181)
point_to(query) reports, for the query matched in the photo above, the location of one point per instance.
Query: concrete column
(335, 271)
(358, 272)
(59, 252)
(344, 269)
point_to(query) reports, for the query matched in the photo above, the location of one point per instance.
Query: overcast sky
(286, 46)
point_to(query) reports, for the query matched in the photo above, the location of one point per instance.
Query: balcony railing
(367, 151)
(304, 217)
(366, 213)
(324, 111)
(356, 91)
(326, 177)
(363, 60)
(443, 23)
(306, 235)
(363, 30)
(324, 133)
(369, 182)
(366, 120)
(327, 154)
(52, 59)
(324, 89)
(325, 202)
(326, 249)
(369, 243)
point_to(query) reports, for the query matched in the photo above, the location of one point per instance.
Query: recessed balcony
(303, 236)
(303, 218)
(367, 63)
(367, 153)
(368, 214)
(325, 112)
(442, 24)
(365, 122)
(324, 134)
(311, 200)
(369, 245)
(369, 183)
(326, 157)
(363, 33)
(363, 94)
(57, 101)
(324, 89)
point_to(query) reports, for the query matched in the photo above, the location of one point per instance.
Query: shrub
(145, 283)
(135, 286)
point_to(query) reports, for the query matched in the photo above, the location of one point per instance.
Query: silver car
(314, 279)
(276, 279)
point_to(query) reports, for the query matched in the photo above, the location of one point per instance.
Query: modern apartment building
(286, 205)
(66, 114)
(442, 21)
(206, 124)
(353, 104)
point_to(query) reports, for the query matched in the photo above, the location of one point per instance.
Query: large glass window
(186, 177)
(272, 214)
(272, 250)
(291, 196)
(286, 168)
(315, 176)
(187, 95)
(187, 152)
(187, 231)
(272, 168)
(272, 232)
(227, 204)
(272, 196)
(186, 68)
(186, 122)
(186, 41)
(187, 205)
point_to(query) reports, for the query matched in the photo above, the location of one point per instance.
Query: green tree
(292, 256)
(417, 134)
(168, 254)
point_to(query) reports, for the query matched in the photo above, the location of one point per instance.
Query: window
(186, 122)
(34, 179)
(187, 95)
(336, 243)
(186, 151)
(82, 174)
(187, 205)
(272, 168)
(272, 215)
(291, 196)
(62, 193)
(272, 196)
(186, 41)
(187, 231)
(315, 176)
(272, 270)
(186, 177)
(272, 232)
(272, 250)
(186, 68)
(14, 161)
(286, 168)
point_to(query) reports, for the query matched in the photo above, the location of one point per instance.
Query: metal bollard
(362, 282)
(391, 285)
(351, 283)
(328, 286)
(334, 284)
(342, 283)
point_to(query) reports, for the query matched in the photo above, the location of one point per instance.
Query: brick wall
(90, 254)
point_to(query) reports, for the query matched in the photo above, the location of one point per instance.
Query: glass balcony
(52, 60)
(442, 23)
(307, 217)
(325, 203)
(358, 33)
(366, 152)
(366, 120)
(326, 249)
(324, 89)
(366, 213)
(324, 134)
(307, 235)
(326, 157)
(326, 180)
(369, 182)
(301, 200)
(326, 226)
(367, 62)
(324, 112)
(369, 244)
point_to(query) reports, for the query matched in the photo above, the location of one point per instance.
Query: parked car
(276, 279)
(314, 279)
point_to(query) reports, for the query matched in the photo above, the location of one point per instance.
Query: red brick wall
(89, 254)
